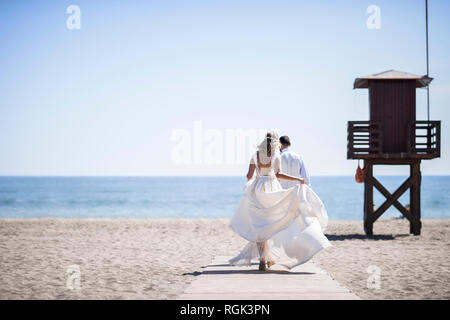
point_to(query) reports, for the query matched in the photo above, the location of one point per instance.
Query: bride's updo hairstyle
(268, 147)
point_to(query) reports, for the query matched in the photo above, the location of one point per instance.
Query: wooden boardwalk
(221, 281)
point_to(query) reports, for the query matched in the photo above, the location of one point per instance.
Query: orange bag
(360, 175)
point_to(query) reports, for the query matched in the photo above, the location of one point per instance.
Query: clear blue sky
(105, 99)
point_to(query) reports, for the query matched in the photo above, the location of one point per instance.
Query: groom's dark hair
(285, 141)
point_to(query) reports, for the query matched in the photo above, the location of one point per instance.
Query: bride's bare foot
(262, 265)
(270, 263)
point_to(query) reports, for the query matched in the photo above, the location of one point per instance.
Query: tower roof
(363, 82)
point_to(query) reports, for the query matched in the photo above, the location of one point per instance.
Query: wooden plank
(425, 135)
(367, 138)
(384, 158)
(366, 149)
(416, 225)
(219, 280)
(437, 153)
(394, 161)
(368, 198)
(272, 296)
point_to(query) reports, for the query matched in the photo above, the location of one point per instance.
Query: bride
(283, 226)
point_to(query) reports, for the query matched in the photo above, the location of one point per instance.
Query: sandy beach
(158, 258)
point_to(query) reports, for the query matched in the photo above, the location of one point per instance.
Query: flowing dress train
(290, 221)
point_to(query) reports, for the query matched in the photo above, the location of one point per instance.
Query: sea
(191, 197)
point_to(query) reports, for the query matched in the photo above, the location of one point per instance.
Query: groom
(291, 163)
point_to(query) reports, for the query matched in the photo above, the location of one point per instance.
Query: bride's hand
(302, 181)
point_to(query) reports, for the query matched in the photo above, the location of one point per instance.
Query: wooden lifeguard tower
(393, 136)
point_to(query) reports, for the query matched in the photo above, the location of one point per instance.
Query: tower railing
(364, 139)
(424, 138)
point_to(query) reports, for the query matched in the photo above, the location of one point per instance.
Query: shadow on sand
(250, 271)
(335, 237)
(331, 237)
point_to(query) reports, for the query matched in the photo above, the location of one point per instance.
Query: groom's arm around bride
(292, 164)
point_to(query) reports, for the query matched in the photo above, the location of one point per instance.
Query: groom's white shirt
(293, 164)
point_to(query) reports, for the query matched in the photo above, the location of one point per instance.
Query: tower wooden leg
(416, 224)
(368, 199)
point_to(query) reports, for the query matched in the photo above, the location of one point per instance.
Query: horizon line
(190, 176)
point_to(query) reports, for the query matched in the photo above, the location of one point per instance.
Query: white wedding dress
(291, 221)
